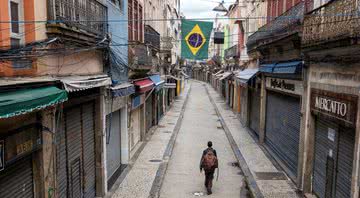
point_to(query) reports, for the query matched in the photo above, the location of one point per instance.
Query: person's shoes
(209, 192)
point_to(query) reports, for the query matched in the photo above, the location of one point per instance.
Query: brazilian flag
(195, 38)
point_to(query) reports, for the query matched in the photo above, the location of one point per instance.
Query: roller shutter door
(322, 146)
(325, 175)
(149, 113)
(17, 180)
(255, 111)
(283, 129)
(76, 152)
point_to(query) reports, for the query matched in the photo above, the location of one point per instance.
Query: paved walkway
(143, 177)
(252, 158)
(200, 124)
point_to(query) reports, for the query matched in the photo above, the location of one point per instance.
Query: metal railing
(232, 52)
(282, 26)
(335, 20)
(88, 15)
(152, 37)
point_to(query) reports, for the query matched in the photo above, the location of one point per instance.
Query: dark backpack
(210, 161)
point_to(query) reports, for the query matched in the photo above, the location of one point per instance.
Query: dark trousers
(209, 176)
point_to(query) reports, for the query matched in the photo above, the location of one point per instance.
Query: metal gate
(255, 110)
(149, 113)
(113, 145)
(17, 180)
(283, 129)
(333, 143)
(76, 152)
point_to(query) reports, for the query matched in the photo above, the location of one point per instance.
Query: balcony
(232, 52)
(85, 17)
(166, 43)
(334, 21)
(152, 37)
(282, 26)
(140, 57)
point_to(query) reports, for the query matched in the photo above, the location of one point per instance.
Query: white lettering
(331, 106)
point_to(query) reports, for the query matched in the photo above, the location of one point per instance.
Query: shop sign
(337, 105)
(2, 155)
(137, 101)
(285, 85)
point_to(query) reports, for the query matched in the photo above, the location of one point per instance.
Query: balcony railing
(333, 21)
(144, 57)
(284, 25)
(88, 15)
(232, 52)
(152, 37)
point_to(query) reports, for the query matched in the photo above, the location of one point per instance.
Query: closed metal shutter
(341, 147)
(283, 129)
(113, 145)
(255, 111)
(149, 113)
(88, 125)
(322, 146)
(344, 162)
(76, 152)
(17, 180)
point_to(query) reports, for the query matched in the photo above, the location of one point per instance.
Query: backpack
(209, 162)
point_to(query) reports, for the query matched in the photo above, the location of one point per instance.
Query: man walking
(209, 163)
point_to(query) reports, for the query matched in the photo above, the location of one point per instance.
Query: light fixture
(220, 7)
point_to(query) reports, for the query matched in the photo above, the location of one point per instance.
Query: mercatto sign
(337, 105)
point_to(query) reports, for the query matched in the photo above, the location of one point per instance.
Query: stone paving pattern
(254, 156)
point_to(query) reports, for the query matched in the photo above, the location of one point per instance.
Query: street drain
(161, 126)
(170, 123)
(198, 194)
(234, 164)
(155, 160)
(167, 132)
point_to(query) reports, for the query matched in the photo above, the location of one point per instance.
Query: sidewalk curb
(160, 173)
(249, 178)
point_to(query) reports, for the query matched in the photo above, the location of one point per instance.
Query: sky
(198, 8)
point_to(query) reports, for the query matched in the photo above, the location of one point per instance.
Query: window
(141, 28)
(131, 22)
(14, 12)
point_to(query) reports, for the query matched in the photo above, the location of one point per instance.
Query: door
(17, 180)
(283, 129)
(254, 111)
(149, 113)
(334, 149)
(76, 152)
(113, 146)
(135, 127)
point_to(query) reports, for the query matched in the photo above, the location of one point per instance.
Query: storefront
(136, 120)
(249, 88)
(158, 97)
(335, 121)
(24, 116)
(224, 84)
(116, 131)
(283, 120)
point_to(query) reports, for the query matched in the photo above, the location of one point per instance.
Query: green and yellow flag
(195, 38)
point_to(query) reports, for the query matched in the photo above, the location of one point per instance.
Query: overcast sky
(197, 8)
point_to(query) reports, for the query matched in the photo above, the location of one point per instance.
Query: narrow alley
(200, 125)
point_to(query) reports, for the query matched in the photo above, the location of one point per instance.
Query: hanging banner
(195, 38)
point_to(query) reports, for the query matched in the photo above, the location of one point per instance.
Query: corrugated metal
(322, 146)
(342, 150)
(135, 127)
(345, 161)
(149, 113)
(255, 110)
(283, 128)
(17, 180)
(76, 152)
(74, 149)
(113, 147)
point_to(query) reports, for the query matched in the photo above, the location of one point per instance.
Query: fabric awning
(245, 75)
(124, 89)
(225, 75)
(79, 83)
(173, 77)
(156, 79)
(183, 73)
(27, 100)
(170, 86)
(219, 72)
(291, 67)
(144, 85)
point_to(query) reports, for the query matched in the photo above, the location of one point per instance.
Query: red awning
(144, 85)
